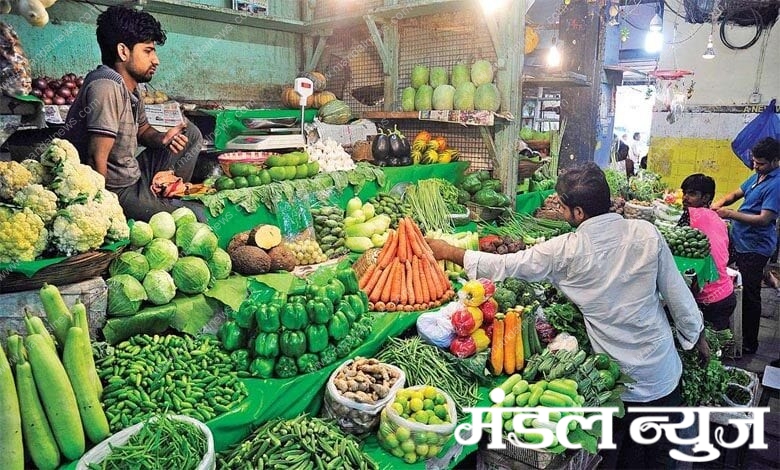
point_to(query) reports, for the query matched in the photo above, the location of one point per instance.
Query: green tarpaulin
(528, 203)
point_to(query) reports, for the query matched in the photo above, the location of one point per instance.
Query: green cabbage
(125, 295)
(183, 215)
(163, 225)
(191, 275)
(130, 262)
(196, 239)
(220, 264)
(161, 253)
(159, 287)
(140, 233)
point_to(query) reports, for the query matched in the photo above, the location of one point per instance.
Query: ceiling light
(554, 55)
(654, 41)
(656, 24)
(709, 52)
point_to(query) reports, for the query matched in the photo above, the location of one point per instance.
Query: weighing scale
(269, 134)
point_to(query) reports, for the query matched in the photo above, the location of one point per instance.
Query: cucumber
(57, 397)
(11, 447)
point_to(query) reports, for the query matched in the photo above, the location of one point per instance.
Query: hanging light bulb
(554, 55)
(656, 24)
(709, 52)
(613, 14)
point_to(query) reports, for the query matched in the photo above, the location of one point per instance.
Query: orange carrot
(497, 348)
(425, 250)
(445, 281)
(366, 276)
(404, 291)
(410, 283)
(413, 240)
(418, 292)
(388, 285)
(426, 293)
(510, 342)
(395, 289)
(402, 243)
(376, 291)
(373, 280)
(388, 251)
(433, 282)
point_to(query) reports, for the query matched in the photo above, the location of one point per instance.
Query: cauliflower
(22, 235)
(40, 174)
(13, 177)
(38, 199)
(109, 203)
(60, 152)
(77, 183)
(79, 228)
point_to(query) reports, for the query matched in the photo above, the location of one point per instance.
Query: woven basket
(74, 269)
(366, 260)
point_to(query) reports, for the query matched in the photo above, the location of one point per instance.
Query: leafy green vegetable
(125, 295)
(191, 275)
(159, 287)
(130, 262)
(161, 253)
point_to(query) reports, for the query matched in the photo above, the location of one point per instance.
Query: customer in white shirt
(616, 271)
(637, 150)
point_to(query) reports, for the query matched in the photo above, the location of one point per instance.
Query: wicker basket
(366, 260)
(74, 269)
(479, 213)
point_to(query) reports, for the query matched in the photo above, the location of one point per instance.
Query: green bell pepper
(356, 303)
(263, 367)
(338, 326)
(319, 310)
(334, 290)
(301, 299)
(293, 316)
(267, 318)
(286, 368)
(232, 336)
(298, 287)
(348, 311)
(328, 355)
(240, 358)
(308, 363)
(293, 343)
(245, 315)
(349, 279)
(267, 345)
(316, 337)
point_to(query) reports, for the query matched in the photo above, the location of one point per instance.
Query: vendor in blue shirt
(753, 233)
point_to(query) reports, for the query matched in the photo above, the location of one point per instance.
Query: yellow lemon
(402, 434)
(408, 446)
(391, 441)
(399, 408)
(428, 404)
(422, 450)
(410, 458)
(433, 451)
(415, 404)
(429, 392)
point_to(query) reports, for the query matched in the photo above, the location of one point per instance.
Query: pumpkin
(335, 112)
(318, 79)
(291, 98)
(321, 98)
(531, 39)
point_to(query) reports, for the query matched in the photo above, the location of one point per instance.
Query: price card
(165, 114)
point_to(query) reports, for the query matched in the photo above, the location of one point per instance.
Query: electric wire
(730, 14)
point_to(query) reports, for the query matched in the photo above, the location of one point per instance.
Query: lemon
(399, 408)
(402, 434)
(402, 394)
(429, 392)
(441, 411)
(417, 394)
(440, 399)
(428, 404)
(433, 451)
(397, 452)
(421, 416)
(410, 458)
(391, 441)
(432, 438)
(408, 446)
(415, 404)
(422, 450)
(434, 420)
(420, 437)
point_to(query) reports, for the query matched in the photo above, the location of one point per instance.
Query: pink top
(714, 227)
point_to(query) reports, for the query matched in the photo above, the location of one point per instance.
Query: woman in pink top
(716, 299)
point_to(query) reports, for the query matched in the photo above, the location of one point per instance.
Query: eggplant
(406, 160)
(394, 161)
(406, 149)
(396, 147)
(380, 147)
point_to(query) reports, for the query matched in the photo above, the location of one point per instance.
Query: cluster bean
(178, 374)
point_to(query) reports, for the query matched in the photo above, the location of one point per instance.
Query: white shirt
(636, 151)
(614, 270)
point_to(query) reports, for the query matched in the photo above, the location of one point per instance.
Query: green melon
(419, 76)
(443, 97)
(487, 97)
(464, 97)
(423, 98)
(481, 72)
(407, 99)
(460, 74)
(439, 77)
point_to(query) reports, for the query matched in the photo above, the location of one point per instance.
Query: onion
(47, 100)
(80, 81)
(48, 93)
(54, 84)
(69, 84)
(64, 92)
(71, 100)
(40, 84)
(59, 100)
(37, 92)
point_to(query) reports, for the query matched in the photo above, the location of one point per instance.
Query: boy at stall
(107, 121)
(716, 300)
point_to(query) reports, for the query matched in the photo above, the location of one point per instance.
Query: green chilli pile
(297, 444)
(183, 375)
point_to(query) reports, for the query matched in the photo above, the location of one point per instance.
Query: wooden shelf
(563, 80)
(210, 13)
(390, 115)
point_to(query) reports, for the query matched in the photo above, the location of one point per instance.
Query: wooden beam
(376, 36)
(409, 9)
(313, 58)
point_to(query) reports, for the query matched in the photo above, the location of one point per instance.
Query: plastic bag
(354, 417)
(436, 329)
(766, 124)
(98, 453)
(428, 439)
(295, 221)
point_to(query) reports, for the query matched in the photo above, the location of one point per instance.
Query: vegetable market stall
(233, 211)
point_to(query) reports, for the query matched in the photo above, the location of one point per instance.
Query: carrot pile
(406, 276)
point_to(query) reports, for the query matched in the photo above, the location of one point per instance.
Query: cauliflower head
(40, 174)
(23, 236)
(79, 228)
(109, 203)
(60, 152)
(38, 199)
(77, 183)
(13, 177)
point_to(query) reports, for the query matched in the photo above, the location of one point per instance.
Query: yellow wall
(674, 158)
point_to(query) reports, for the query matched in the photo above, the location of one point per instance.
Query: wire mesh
(335, 8)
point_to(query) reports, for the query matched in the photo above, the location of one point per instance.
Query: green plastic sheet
(29, 268)
(527, 203)
(705, 268)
